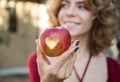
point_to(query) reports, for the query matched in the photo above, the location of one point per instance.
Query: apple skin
(54, 41)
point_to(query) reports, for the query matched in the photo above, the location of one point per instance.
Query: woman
(92, 25)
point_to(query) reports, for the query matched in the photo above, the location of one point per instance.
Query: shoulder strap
(113, 70)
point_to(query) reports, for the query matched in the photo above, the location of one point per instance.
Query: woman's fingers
(63, 70)
(67, 68)
(70, 67)
(65, 56)
(41, 59)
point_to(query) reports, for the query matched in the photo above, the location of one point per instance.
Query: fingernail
(77, 42)
(72, 41)
(76, 49)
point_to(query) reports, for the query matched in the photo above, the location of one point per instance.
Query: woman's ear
(94, 17)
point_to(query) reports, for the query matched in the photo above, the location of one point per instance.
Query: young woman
(92, 25)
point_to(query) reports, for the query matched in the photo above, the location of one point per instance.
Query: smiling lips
(70, 24)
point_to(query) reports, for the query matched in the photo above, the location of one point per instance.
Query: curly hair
(104, 26)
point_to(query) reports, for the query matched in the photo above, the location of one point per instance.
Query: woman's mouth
(70, 24)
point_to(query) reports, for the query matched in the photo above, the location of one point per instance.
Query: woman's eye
(81, 7)
(64, 5)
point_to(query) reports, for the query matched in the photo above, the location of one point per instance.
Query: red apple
(54, 41)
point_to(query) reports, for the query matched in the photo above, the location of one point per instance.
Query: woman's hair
(104, 26)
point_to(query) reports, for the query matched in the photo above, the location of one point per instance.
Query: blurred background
(20, 24)
(21, 21)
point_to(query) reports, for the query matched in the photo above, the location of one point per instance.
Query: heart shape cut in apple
(54, 41)
(51, 42)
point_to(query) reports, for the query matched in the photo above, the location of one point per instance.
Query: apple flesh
(54, 41)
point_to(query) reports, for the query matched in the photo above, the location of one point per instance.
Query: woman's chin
(73, 34)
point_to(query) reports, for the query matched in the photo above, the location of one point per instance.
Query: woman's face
(75, 17)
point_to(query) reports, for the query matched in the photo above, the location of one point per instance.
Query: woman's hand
(60, 69)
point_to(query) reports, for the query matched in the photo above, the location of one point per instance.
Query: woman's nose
(71, 12)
